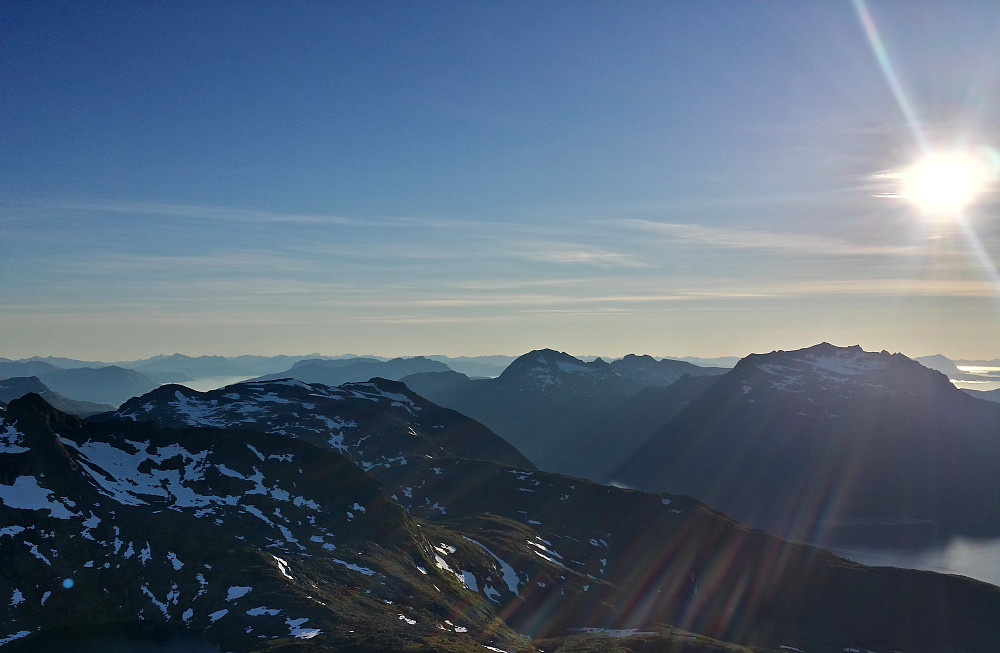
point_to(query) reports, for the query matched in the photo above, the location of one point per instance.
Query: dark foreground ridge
(267, 539)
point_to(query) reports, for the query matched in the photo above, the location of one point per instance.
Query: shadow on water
(974, 557)
(910, 535)
(115, 638)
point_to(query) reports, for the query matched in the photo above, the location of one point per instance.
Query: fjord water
(965, 556)
(990, 378)
(204, 384)
(977, 558)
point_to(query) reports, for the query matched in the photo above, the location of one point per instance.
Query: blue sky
(672, 178)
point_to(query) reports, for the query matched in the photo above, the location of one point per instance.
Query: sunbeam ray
(889, 71)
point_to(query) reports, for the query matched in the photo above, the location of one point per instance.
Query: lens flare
(945, 183)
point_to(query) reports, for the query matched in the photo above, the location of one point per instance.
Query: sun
(943, 184)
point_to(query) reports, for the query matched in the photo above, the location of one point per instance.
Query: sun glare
(944, 184)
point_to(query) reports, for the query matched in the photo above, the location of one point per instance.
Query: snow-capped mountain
(375, 423)
(546, 369)
(255, 539)
(830, 442)
(236, 536)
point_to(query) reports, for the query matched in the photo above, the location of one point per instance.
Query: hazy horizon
(409, 354)
(469, 178)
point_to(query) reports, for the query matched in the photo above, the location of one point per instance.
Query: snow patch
(509, 575)
(282, 567)
(364, 570)
(27, 494)
(238, 591)
(10, 638)
(9, 439)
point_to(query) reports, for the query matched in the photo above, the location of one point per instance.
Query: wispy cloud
(63, 208)
(754, 239)
(32, 208)
(573, 254)
(890, 287)
(184, 211)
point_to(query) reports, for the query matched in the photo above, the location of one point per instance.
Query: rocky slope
(249, 540)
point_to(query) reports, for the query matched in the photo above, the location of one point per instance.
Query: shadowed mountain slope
(103, 385)
(16, 387)
(828, 443)
(569, 416)
(9, 368)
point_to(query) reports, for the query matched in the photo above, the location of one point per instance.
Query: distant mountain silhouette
(988, 395)
(948, 367)
(18, 386)
(337, 372)
(103, 385)
(9, 369)
(476, 366)
(194, 367)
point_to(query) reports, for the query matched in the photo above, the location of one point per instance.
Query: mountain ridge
(565, 414)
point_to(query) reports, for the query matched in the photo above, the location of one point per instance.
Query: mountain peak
(543, 368)
(840, 370)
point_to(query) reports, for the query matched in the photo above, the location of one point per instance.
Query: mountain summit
(545, 369)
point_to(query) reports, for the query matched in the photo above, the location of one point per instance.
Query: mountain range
(365, 518)
(830, 445)
(570, 416)
(336, 372)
